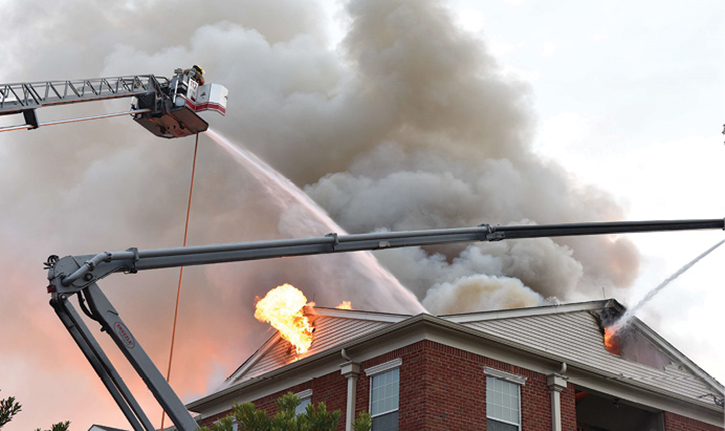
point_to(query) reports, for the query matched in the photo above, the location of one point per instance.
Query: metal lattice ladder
(24, 98)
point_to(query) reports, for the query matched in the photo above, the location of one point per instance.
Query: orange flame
(611, 341)
(345, 305)
(282, 307)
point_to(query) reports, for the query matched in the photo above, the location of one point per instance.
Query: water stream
(309, 219)
(627, 316)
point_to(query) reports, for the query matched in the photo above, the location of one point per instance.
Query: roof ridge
(380, 316)
(540, 310)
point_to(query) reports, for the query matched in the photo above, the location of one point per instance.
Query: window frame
(378, 370)
(510, 378)
(303, 395)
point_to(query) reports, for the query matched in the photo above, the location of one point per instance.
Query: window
(503, 400)
(305, 399)
(384, 391)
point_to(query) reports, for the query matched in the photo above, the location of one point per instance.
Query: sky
(628, 97)
(393, 114)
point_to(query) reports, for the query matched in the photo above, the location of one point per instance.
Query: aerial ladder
(79, 275)
(166, 107)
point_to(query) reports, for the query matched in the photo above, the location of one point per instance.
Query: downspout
(350, 370)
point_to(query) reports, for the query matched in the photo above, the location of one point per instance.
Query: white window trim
(381, 368)
(503, 375)
(511, 378)
(307, 393)
(304, 395)
(383, 413)
(518, 426)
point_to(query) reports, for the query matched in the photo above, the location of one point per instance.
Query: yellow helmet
(199, 69)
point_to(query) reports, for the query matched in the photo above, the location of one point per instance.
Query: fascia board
(266, 347)
(356, 314)
(679, 356)
(274, 381)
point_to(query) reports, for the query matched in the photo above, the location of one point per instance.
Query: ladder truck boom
(15, 98)
(166, 107)
(79, 275)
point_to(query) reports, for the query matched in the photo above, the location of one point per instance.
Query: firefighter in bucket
(196, 73)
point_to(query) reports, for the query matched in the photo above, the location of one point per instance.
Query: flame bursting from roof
(345, 305)
(611, 341)
(282, 307)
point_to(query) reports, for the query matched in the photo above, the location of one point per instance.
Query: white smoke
(480, 292)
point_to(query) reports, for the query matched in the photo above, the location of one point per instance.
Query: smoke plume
(408, 124)
(456, 153)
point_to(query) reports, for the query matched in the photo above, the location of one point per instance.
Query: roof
(331, 326)
(569, 333)
(573, 333)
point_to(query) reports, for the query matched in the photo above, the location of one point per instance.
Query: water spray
(627, 316)
(285, 194)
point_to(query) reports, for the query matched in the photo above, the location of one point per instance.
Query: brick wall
(568, 408)
(330, 388)
(674, 422)
(442, 388)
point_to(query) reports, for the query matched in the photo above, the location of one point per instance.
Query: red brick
(675, 422)
(444, 388)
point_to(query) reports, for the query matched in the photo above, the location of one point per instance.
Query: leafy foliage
(60, 426)
(8, 408)
(315, 418)
(364, 422)
(251, 419)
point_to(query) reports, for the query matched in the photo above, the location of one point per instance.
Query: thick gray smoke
(408, 124)
(456, 152)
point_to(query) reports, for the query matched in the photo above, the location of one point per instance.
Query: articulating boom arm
(69, 274)
(79, 275)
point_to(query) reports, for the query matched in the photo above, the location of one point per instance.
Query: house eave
(679, 356)
(295, 367)
(427, 322)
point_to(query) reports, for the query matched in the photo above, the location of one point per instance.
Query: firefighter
(196, 73)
